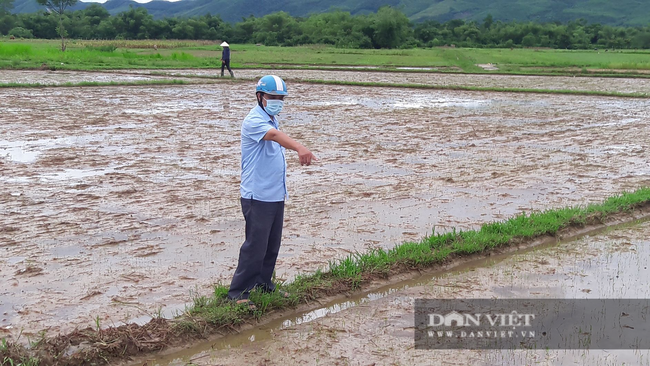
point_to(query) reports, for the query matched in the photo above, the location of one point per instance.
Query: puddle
(5, 308)
(439, 103)
(27, 151)
(77, 174)
(15, 260)
(416, 68)
(70, 251)
(15, 151)
(335, 67)
(487, 67)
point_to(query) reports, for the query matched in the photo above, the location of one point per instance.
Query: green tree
(159, 29)
(277, 29)
(183, 30)
(388, 28)
(392, 28)
(563, 38)
(5, 6)
(59, 6)
(245, 29)
(580, 38)
(134, 23)
(529, 40)
(488, 21)
(42, 24)
(200, 28)
(21, 32)
(106, 30)
(468, 33)
(545, 41)
(641, 40)
(7, 22)
(427, 31)
(95, 14)
(337, 28)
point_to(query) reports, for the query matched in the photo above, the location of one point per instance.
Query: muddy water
(119, 202)
(377, 328)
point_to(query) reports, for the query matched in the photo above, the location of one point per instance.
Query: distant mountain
(619, 12)
(31, 6)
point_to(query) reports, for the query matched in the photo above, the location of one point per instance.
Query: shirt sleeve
(256, 128)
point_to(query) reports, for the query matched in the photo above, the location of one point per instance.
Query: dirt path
(122, 202)
(380, 332)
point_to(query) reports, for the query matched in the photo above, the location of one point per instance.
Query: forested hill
(612, 12)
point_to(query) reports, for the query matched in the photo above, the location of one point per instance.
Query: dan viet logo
(457, 325)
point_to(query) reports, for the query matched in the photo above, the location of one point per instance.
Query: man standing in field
(225, 58)
(263, 189)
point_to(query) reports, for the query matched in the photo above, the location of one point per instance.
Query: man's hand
(305, 156)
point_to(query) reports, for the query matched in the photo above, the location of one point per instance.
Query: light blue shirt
(263, 166)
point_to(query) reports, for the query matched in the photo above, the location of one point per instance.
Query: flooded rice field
(377, 328)
(621, 85)
(46, 77)
(118, 203)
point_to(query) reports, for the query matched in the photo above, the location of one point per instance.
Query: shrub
(20, 32)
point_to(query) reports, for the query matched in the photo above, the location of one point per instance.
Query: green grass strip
(350, 273)
(96, 83)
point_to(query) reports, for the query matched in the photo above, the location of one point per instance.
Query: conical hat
(224, 44)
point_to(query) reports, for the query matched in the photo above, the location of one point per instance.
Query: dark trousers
(260, 250)
(226, 63)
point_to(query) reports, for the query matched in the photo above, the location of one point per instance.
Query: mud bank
(622, 85)
(46, 77)
(119, 203)
(377, 328)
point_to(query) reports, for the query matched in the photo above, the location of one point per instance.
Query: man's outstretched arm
(283, 139)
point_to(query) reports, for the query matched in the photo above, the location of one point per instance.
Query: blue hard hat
(271, 84)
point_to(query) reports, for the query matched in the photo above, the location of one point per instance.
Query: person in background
(225, 58)
(263, 190)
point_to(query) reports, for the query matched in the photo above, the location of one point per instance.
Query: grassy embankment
(101, 55)
(214, 313)
(352, 272)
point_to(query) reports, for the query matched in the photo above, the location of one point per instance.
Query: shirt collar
(262, 113)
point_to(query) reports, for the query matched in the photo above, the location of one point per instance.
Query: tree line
(387, 28)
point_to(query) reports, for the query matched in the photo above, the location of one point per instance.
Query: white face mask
(273, 106)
